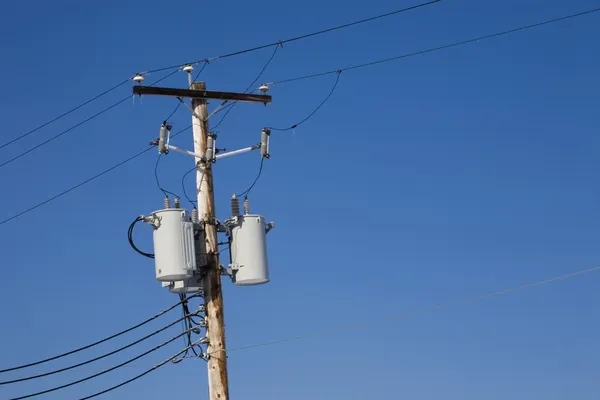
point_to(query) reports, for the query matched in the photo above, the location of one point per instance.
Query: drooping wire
(96, 97)
(76, 125)
(156, 332)
(130, 238)
(337, 79)
(95, 343)
(250, 86)
(164, 191)
(80, 184)
(170, 359)
(309, 77)
(192, 202)
(87, 378)
(301, 37)
(179, 103)
(247, 191)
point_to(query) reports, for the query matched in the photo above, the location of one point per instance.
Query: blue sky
(421, 182)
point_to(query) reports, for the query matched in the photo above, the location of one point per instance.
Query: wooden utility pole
(218, 388)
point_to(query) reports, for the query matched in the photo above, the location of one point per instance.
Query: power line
(419, 311)
(87, 378)
(80, 184)
(185, 317)
(63, 114)
(247, 191)
(250, 86)
(317, 75)
(236, 53)
(447, 46)
(337, 79)
(45, 142)
(301, 37)
(92, 344)
(179, 103)
(143, 373)
(164, 191)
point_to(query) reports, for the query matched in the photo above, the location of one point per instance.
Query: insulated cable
(189, 315)
(87, 378)
(95, 343)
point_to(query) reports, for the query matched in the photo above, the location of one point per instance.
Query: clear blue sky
(420, 182)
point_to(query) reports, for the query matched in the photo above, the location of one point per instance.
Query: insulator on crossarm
(235, 206)
(246, 206)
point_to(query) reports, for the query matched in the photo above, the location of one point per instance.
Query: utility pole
(205, 154)
(213, 299)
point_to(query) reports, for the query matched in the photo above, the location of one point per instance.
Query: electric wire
(192, 202)
(314, 76)
(446, 46)
(45, 142)
(250, 86)
(84, 182)
(164, 191)
(170, 359)
(247, 191)
(337, 79)
(156, 332)
(87, 378)
(419, 311)
(130, 238)
(77, 350)
(23, 135)
(301, 37)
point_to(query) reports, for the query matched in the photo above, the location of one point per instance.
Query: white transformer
(248, 246)
(174, 250)
(190, 285)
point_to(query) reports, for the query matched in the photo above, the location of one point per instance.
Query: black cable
(76, 125)
(337, 79)
(130, 239)
(308, 77)
(250, 86)
(164, 191)
(179, 103)
(247, 191)
(63, 114)
(87, 378)
(192, 202)
(80, 184)
(447, 46)
(185, 317)
(170, 359)
(95, 343)
(301, 37)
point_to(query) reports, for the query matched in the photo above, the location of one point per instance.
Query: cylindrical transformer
(249, 251)
(174, 250)
(190, 285)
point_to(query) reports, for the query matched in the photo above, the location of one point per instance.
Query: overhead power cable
(337, 79)
(87, 378)
(432, 49)
(317, 75)
(174, 357)
(235, 53)
(45, 142)
(23, 135)
(179, 103)
(247, 191)
(95, 343)
(80, 184)
(419, 311)
(301, 37)
(251, 86)
(156, 332)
